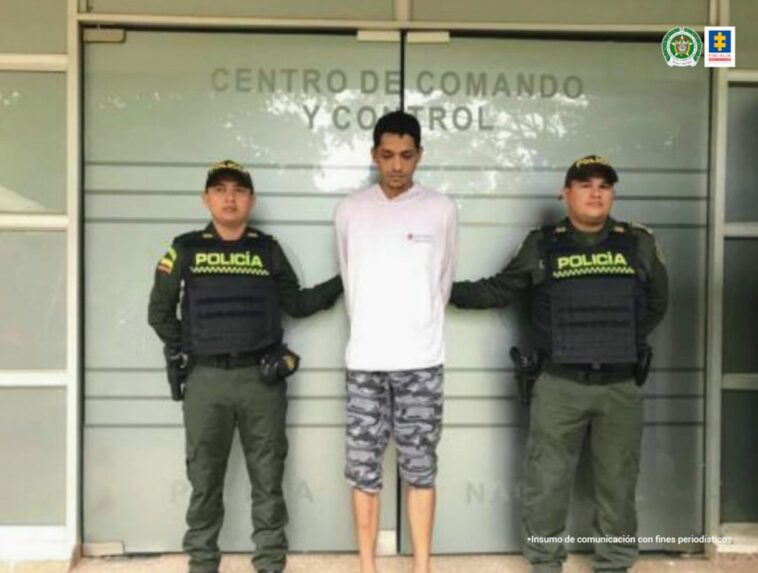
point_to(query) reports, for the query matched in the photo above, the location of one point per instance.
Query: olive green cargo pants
(216, 402)
(562, 413)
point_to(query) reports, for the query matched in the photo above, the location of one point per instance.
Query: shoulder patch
(166, 264)
(619, 229)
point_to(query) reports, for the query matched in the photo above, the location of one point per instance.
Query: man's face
(396, 158)
(589, 202)
(229, 202)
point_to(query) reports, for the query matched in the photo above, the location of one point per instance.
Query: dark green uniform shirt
(295, 301)
(526, 269)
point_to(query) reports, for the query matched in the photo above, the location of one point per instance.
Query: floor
(322, 563)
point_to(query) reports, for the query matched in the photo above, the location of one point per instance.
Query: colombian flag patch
(166, 264)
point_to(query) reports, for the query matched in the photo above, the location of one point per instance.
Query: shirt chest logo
(585, 264)
(419, 237)
(228, 263)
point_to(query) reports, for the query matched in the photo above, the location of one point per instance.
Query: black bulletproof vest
(587, 308)
(230, 303)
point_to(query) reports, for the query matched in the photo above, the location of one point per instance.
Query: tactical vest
(587, 308)
(230, 302)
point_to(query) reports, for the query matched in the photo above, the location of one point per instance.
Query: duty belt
(232, 360)
(592, 375)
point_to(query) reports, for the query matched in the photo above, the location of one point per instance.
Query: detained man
(397, 249)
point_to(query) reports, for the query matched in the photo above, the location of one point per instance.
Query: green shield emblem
(681, 47)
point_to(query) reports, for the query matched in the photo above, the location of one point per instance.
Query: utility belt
(276, 361)
(529, 368)
(592, 375)
(233, 359)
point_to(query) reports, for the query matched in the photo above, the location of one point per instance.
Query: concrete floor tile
(348, 563)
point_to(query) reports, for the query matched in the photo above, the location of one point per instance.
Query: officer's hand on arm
(501, 289)
(301, 302)
(164, 299)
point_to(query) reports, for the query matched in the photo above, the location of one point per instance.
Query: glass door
(159, 108)
(504, 118)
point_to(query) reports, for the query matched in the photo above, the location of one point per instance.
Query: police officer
(231, 281)
(597, 288)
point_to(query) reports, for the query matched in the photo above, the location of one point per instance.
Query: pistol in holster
(178, 367)
(528, 369)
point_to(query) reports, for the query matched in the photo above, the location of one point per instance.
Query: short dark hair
(399, 123)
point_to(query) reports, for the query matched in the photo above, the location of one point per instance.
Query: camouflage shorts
(406, 403)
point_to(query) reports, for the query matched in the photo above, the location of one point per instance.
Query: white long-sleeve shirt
(397, 259)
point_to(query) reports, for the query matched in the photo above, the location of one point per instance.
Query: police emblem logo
(720, 47)
(681, 47)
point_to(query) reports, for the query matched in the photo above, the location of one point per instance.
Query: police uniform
(594, 299)
(231, 295)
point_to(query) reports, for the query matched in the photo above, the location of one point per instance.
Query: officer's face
(229, 203)
(396, 158)
(589, 202)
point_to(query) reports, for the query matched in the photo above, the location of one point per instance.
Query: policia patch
(228, 263)
(586, 264)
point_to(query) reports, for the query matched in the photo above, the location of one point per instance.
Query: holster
(528, 370)
(178, 367)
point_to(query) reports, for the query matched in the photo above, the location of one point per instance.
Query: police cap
(590, 166)
(228, 169)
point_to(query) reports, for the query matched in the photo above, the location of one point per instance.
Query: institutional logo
(719, 46)
(681, 47)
